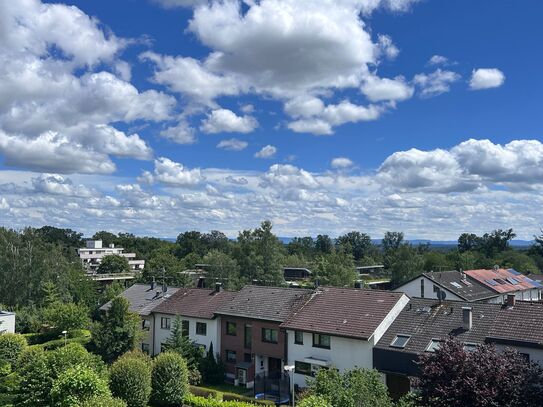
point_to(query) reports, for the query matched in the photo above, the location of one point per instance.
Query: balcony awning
(315, 361)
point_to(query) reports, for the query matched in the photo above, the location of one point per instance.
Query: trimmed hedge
(226, 396)
(196, 401)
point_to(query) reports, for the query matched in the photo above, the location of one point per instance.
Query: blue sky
(159, 116)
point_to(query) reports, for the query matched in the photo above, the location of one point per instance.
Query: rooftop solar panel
(513, 280)
(514, 272)
(491, 282)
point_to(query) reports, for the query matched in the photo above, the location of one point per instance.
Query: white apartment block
(92, 256)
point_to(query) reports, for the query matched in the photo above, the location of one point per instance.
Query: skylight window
(455, 284)
(500, 281)
(466, 282)
(470, 347)
(400, 341)
(491, 282)
(434, 345)
(513, 280)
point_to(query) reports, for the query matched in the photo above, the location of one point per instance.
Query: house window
(269, 335)
(321, 341)
(247, 358)
(422, 288)
(470, 347)
(231, 356)
(231, 328)
(145, 348)
(434, 345)
(298, 337)
(400, 341)
(165, 323)
(247, 336)
(145, 324)
(201, 328)
(185, 325)
(302, 368)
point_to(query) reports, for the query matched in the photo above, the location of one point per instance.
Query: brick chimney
(467, 318)
(510, 300)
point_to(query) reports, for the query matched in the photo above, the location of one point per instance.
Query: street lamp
(64, 333)
(290, 369)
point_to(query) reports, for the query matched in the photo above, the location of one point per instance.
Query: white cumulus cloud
(224, 120)
(486, 78)
(266, 152)
(232, 144)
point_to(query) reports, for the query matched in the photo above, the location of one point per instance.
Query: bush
(314, 401)
(36, 378)
(203, 392)
(130, 379)
(76, 385)
(71, 355)
(103, 401)
(196, 401)
(169, 379)
(66, 316)
(11, 347)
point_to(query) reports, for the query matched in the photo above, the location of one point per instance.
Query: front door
(274, 366)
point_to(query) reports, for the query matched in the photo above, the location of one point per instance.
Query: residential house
(338, 327)
(296, 273)
(143, 298)
(93, 253)
(7, 322)
(424, 324)
(196, 309)
(252, 343)
(508, 281)
(451, 285)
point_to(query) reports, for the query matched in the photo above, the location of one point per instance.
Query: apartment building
(93, 253)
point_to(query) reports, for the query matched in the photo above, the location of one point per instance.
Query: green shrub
(58, 343)
(196, 401)
(130, 379)
(103, 401)
(203, 392)
(66, 316)
(36, 378)
(76, 385)
(71, 355)
(11, 347)
(169, 379)
(314, 401)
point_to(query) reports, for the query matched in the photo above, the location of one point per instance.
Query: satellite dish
(442, 295)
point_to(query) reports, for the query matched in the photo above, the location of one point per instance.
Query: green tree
(468, 242)
(392, 241)
(76, 385)
(50, 293)
(356, 243)
(212, 368)
(405, 264)
(222, 268)
(113, 263)
(353, 388)
(336, 269)
(118, 332)
(302, 246)
(66, 316)
(324, 244)
(130, 379)
(11, 347)
(436, 261)
(36, 379)
(180, 343)
(189, 242)
(68, 238)
(169, 380)
(518, 261)
(259, 253)
(496, 242)
(537, 247)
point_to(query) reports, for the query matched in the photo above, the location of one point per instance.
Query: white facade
(7, 322)
(92, 255)
(414, 289)
(535, 354)
(343, 354)
(161, 335)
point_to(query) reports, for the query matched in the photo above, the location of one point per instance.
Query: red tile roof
(347, 312)
(195, 302)
(503, 284)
